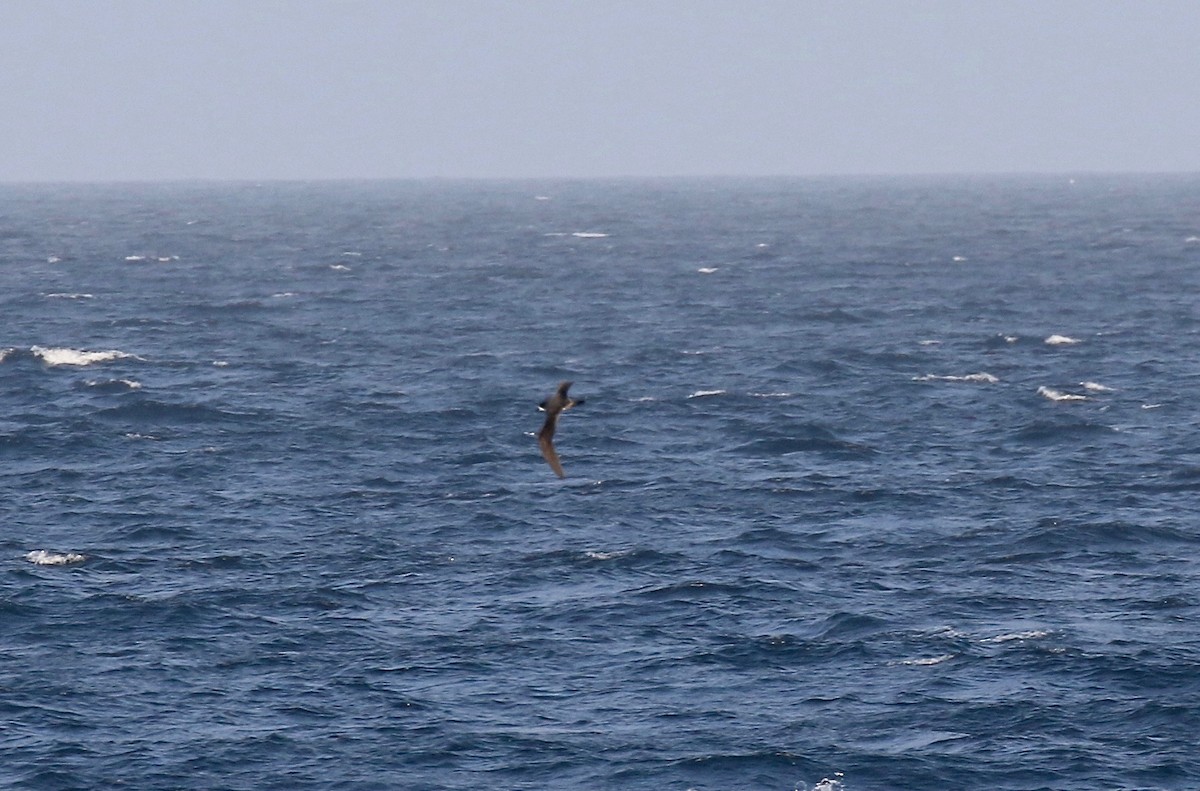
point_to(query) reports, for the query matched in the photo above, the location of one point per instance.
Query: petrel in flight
(552, 406)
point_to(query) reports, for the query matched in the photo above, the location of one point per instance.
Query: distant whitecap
(707, 270)
(1061, 340)
(981, 377)
(706, 393)
(927, 661)
(1032, 634)
(588, 235)
(41, 557)
(1095, 387)
(1058, 395)
(339, 267)
(64, 295)
(63, 356)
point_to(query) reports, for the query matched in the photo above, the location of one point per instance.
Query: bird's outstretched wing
(546, 443)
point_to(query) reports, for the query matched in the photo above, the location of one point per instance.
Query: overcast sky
(101, 90)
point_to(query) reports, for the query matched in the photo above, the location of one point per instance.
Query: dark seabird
(552, 406)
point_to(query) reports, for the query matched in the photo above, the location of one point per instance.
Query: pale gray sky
(276, 89)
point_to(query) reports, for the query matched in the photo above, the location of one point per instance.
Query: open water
(880, 484)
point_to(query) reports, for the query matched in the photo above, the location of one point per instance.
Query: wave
(1058, 395)
(1032, 634)
(63, 356)
(982, 377)
(42, 557)
(589, 235)
(1096, 387)
(1061, 340)
(65, 295)
(113, 385)
(707, 393)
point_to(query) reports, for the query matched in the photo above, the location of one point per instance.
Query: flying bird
(553, 406)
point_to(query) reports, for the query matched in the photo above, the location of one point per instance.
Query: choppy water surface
(879, 484)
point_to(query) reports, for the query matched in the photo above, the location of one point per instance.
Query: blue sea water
(879, 484)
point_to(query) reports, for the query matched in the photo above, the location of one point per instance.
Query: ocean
(880, 483)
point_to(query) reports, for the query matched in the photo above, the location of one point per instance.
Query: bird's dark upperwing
(546, 443)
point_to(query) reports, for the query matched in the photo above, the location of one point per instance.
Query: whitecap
(541, 197)
(4, 354)
(588, 235)
(127, 383)
(929, 343)
(1061, 340)
(959, 258)
(220, 364)
(772, 395)
(41, 557)
(1032, 634)
(63, 356)
(1151, 406)
(1192, 239)
(927, 661)
(594, 555)
(135, 258)
(53, 259)
(981, 377)
(65, 295)
(283, 295)
(1058, 395)
(352, 254)
(339, 267)
(704, 393)
(707, 270)
(135, 435)
(1095, 387)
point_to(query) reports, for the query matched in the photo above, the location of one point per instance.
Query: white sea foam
(41, 557)
(1095, 387)
(707, 270)
(772, 395)
(981, 377)
(1061, 340)
(1032, 634)
(1151, 406)
(135, 258)
(929, 343)
(53, 259)
(704, 393)
(128, 383)
(959, 258)
(1058, 395)
(220, 364)
(1192, 239)
(4, 354)
(339, 267)
(928, 660)
(135, 435)
(65, 295)
(63, 356)
(588, 235)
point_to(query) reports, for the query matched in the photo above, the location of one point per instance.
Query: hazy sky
(268, 89)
